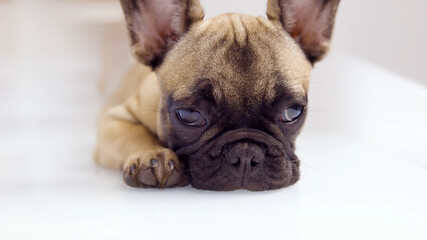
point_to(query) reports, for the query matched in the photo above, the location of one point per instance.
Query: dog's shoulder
(137, 97)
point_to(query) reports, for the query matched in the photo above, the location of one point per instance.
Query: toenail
(171, 165)
(132, 168)
(154, 163)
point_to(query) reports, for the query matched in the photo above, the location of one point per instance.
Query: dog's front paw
(155, 168)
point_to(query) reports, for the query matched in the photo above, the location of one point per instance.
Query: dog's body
(227, 95)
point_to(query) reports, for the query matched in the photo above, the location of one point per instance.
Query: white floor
(363, 153)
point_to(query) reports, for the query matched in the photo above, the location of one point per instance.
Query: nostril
(237, 163)
(253, 163)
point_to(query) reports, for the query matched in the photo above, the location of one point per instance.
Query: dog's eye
(190, 117)
(291, 113)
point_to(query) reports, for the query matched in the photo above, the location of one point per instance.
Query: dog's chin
(270, 165)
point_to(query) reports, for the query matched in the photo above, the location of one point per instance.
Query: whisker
(305, 165)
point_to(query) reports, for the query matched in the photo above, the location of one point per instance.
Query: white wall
(390, 33)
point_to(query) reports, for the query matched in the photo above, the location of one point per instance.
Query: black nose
(244, 156)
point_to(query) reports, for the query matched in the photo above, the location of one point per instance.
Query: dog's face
(234, 91)
(235, 110)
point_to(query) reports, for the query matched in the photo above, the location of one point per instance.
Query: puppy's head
(234, 87)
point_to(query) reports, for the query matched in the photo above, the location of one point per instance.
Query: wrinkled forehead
(238, 53)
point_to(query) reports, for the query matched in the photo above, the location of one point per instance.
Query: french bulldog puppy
(221, 101)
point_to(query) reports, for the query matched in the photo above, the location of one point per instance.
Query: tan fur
(293, 62)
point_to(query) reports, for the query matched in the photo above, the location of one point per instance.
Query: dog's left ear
(155, 25)
(309, 22)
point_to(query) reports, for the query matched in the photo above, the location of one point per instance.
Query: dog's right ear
(155, 25)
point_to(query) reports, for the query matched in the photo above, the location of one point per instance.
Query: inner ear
(309, 22)
(155, 25)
